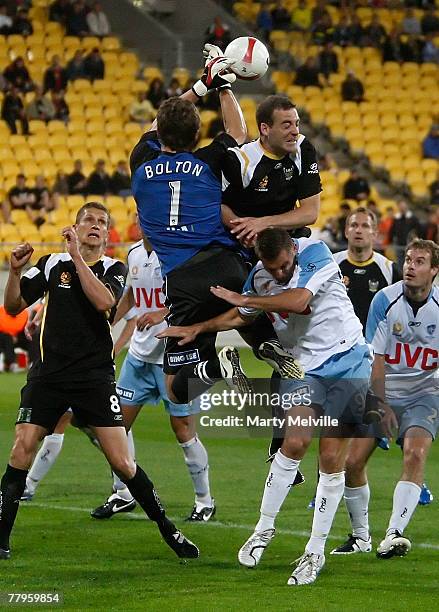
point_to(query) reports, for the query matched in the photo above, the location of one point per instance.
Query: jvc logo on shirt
(184, 357)
(413, 355)
(151, 297)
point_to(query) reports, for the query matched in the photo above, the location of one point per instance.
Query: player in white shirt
(141, 381)
(403, 327)
(300, 285)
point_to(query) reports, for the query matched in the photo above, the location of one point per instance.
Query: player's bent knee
(22, 453)
(124, 467)
(330, 461)
(295, 448)
(415, 456)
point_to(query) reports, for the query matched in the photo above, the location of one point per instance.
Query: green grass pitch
(122, 564)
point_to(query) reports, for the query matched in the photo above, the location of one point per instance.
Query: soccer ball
(251, 57)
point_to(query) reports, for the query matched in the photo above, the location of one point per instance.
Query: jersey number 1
(174, 186)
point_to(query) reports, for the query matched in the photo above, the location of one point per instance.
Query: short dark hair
(96, 205)
(265, 110)
(178, 124)
(271, 242)
(366, 211)
(426, 245)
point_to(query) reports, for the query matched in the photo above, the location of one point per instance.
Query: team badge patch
(373, 286)
(397, 329)
(24, 415)
(65, 279)
(263, 184)
(431, 329)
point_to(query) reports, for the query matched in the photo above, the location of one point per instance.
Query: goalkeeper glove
(214, 76)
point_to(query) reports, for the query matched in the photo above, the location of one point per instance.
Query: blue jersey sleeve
(376, 326)
(316, 266)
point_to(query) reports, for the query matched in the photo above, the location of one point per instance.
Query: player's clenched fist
(21, 255)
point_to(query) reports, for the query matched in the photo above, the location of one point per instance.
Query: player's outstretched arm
(14, 302)
(232, 319)
(293, 300)
(233, 118)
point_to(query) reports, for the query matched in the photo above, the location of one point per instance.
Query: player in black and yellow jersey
(76, 368)
(264, 179)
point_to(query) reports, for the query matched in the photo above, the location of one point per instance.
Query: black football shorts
(189, 300)
(96, 404)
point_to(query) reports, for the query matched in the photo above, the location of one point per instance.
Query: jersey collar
(268, 153)
(361, 264)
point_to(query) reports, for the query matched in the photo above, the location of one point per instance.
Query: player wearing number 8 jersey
(75, 368)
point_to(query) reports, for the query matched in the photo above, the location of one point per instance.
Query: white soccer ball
(252, 58)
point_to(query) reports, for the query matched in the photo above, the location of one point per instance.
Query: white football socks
(44, 460)
(196, 459)
(280, 479)
(328, 495)
(357, 505)
(405, 500)
(119, 486)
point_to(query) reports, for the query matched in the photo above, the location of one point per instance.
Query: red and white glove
(211, 52)
(215, 76)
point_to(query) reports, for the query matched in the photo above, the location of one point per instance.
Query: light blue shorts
(142, 383)
(420, 412)
(339, 385)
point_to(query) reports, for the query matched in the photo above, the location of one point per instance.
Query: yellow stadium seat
(102, 86)
(9, 233)
(74, 202)
(152, 72)
(90, 42)
(81, 85)
(110, 43)
(56, 126)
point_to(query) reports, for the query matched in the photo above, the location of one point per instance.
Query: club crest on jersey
(65, 280)
(431, 329)
(263, 184)
(134, 272)
(289, 173)
(397, 329)
(373, 286)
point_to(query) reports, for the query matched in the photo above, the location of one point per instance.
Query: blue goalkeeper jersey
(178, 198)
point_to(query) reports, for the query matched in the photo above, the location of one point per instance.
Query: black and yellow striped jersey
(75, 339)
(363, 279)
(256, 183)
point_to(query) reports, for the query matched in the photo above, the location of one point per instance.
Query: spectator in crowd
(55, 76)
(352, 89)
(174, 90)
(61, 184)
(280, 16)
(76, 24)
(327, 162)
(430, 144)
(430, 230)
(356, 187)
(375, 32)
(18, 75)
(21, 24)
(99, 181)
(434, 190)
(60, 105)
(141, 110)
(20, 197)
(393, 48)
(308, 74)
(94, 66)
(328, 60)
(40, 107)
(77, 181)
(342, 32)
(384, 227)
(430, 22)
(372, 206)
(121, 180)
(59, 11)
(301, 17)
(405, 228)
(264, 22)
(156, 92)
(357, 32)
(411, 49)
(5, 21)
(322, 31)
(319, 11)
(97, 21)
(13, 111)
(345, 209)
(133, 230)
(328, 233)
(44, 202)
(11, 336)
(113, 239)
(75, 67)
(430, 51)
(218, 34)
(410, 24)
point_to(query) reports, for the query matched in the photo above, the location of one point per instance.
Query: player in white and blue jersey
(403, 327)
(300, 285)
(141, 381)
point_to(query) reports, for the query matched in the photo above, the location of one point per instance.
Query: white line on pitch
(218, 524)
